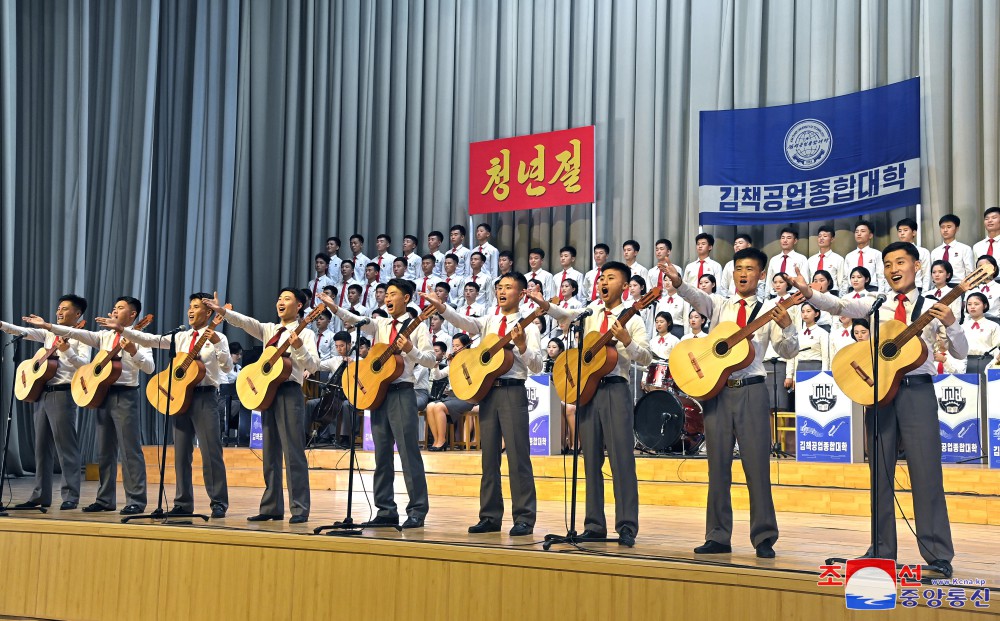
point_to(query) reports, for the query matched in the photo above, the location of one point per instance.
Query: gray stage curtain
(165, 146)
(8, 121)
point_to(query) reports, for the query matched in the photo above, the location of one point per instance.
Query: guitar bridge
(164, 391)
(83, 384)
(252, 387)
(465, 372)
(697, 367)
(24, 378)
(569, 377)
(861, 373)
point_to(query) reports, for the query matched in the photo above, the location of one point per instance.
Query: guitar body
(473, 371)
(33, 374)
(92, 381)
(852, 366)
(372, 379)
(594, 368)
(178, 399)
(257, 383)
(700, 367)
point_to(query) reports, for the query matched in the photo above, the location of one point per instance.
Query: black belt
(913, 380)
(979, 356)
(746, 381)
(614, 379)
(206, 389)
(400, 386)
(115, 389)
(56, 387)
(504, 383)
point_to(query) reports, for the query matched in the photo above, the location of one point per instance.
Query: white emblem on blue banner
(808, 144)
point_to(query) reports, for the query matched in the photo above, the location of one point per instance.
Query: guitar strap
(919, 304)
(756, 310)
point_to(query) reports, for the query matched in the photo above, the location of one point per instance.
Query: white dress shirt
(719, 308)
(360, 262)
(791, 261)
(677, 307)
(692, 335)
(463, 259)
(832, 263)
(662, 345)
(384, 262)
(316, 285)
(937, 294)
(871, 260)
(342, 291)
(548, 285)
(438, 263)
(960, 257)
(456, 295)
(305, 358)
(380, 329)
(958, 346)
(992, 292)
(711, 267)
(485, 283)
(490, 266)
(588, 289)
(725, 281)
(105, 339)
(638, 270)
(568, 274)
(840, 337)
(367, 295)
(424, 284)
(983, 335)
(982, 247)
(215, 356)
(528, 362)
(414, 267)
(333, 271)
(814, 345)
(324, 343)
(924, 279)
(637, 351)
(75, 357)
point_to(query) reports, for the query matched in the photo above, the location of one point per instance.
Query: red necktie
(343, 290)
(593, 294)
(467, 310)
(319, 337)
(367, 287)
(315, 284)
(820, 266)
(986, 288)
(940, 368)
(661, 340)
(503, 326)
(194, 339)
(808, 332)
(945, 257)
(423, 289)
(659, 280)
(861, 258)
(741, 315)
(604, 324)
(857, 296)
(975, 325)
(844, 334)
(480, 249)
(989, 250)
(701, 269)
(900, 308)
(274, 339)
(560, 284)
(937, 294)
(784, 263)
(394, 332)
(380, 264)
(670, 300)
(118, 338)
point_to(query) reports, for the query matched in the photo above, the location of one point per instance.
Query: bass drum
(666, 421)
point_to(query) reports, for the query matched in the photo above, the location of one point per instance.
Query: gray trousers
(395, 421)
(504, 412)
(608, 420)
(201, 421)
(919, 431)
(284, 437)
(739, 414)
(118, 432)
(55, 431)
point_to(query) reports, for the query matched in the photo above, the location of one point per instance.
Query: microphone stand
(571, 537)
(16, 341)
(159, 513)
(777, 450)
(347, 527)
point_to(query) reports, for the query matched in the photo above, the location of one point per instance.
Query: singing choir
(421, 311)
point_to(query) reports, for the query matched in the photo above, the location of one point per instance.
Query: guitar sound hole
(266, 368)
(98, 369)
(485, 358)
(721, 348)
(35, 367)
(588, 357)
(377, 366)
(889, 350)
(178, 374)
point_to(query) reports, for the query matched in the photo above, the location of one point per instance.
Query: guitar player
(917, 428)
(117, 419)
(284, 421)
(395, 420)
(607, 420)
(503, 413)
(201, 420)
(55, 411)
(739, 413)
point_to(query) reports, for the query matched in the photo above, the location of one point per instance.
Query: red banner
(534, 171)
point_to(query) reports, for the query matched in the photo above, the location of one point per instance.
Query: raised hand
(213, 303)
(38, 322)
(433, 300)
(326, 299)
(110, 324)
(671, 273)
(539, 299)
(799, 282)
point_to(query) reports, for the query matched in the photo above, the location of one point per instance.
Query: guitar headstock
(650, 297)
(427, 313)
(982, 274)
(142, 323)
(311, 317)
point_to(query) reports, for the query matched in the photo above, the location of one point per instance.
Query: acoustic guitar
(188, 371)
(700, 367)
(382, 366)
(35, 372)
(257, 384)
(91, 382)
(599, 358)
(474, 370)
(899, 352)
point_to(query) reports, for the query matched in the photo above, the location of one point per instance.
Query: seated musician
(450, 407)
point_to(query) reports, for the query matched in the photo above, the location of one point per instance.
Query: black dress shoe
(68, 505)
(299, 519)
(626, 538)
(264, 517)
(381, 520)
(713, 547)
(484, 526)
(765, 550)
(96, 507)
(218, 513)
(437, 449)
(31, 504)
(132, 510)
(941, 566)
(413, 522)
(592, 534)
(521, 529)
(177, 511)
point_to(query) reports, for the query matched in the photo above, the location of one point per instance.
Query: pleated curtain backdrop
(161, 147)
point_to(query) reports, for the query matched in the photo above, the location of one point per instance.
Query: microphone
(586, 313)
(179, 328)
(879, 301)
(363, 322)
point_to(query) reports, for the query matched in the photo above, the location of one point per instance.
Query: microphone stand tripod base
(165, 518)
(345, 528)
(573, 539)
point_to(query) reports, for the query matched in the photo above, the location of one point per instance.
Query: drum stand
(571, 537)
(777, 450)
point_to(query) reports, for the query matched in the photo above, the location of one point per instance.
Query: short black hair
(378, 312)
(906, 247)
(437, 234)
(414, 313)
(618, 266)
(866, 224)
(343, 336)
(665, 242)
(640, 281)
(458, 227)
(909, 222)
(633, 243)
(452, 256)
(441, 345)
(867, 275)
(400, 260)
(347, 262)
(375, 265)
(444, 285)
(322, 255)
(751, 253)
(859, 322)
(706, 236)
(326, 313)
(235, 348)
(990, 210)
(538, 251)
(484, 225)
(356, 287)
(300, 297)
(667, 316)
(602, 246)
(570, 249)
(950, 217)
(463, 338)
(381, 286)
(334, 239)
(133, 302)
(384, 236)
(746, 236)
(412, 238)
(403, 285)
(78, 302)
(992, 262)
(481, 255)
(429, 257)
(826, 228)
(982, 298)
(473, 284)
(946, 266)
(359, 237)
(506, 253)
(198, 295)
(572, 283)
(518, 278)
(788, 229)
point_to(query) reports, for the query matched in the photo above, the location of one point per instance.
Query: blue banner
(833, 158)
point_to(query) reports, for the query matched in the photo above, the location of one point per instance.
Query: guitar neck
(298, 330)
(207, 334)
(761, 321)
(623, 318)
(977, 277)
(393, 348)
(524, 323)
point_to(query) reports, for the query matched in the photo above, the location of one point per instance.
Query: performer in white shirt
(567, 260)
(788, 260)
(488, 250)
(906, 231)
(332, 250)
(535, 258)
(864, 256)
(983, 335)
(697, 324)
(941, 275)
(480, 277)
(358, 260)
(826, 259)
(321, 262)
(427, 281)
(505, 262)
(743, 240)
(814, 344)
(383, 258)
(630, 254)
(663, 341)
(990, 289)
(371, 284)
(347, 271)
(456, 282)
(822, 281)
(589, 284)
(989, 245)
(412, 258)
(457, 236)
(434, 241)
(858, 284)
(661, 250)
(705, 264)
(841, 336)
(952, 250)
(569, 294)
(324, 335)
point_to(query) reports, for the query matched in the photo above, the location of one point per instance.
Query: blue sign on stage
(959, 416)
(823, 419)
(256, 431)
(833, 158)
(993, 417)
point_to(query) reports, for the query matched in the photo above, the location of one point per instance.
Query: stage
(72, 565)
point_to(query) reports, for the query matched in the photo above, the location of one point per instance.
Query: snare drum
(666, 421)
(657, 377)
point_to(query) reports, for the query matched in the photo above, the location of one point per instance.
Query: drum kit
(667, 421)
